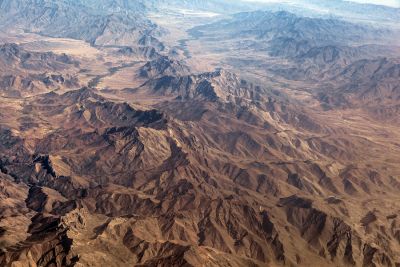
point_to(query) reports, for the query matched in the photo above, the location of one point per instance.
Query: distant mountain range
(284, 31)
(107, 23)
(357, 62)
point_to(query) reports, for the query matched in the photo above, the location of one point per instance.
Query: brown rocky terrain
(126, 155)
(29, 73)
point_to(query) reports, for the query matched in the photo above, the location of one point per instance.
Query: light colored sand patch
(124, 78)
(193, 13)
(35, 42)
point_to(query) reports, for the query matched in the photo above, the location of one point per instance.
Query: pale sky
(392, 3)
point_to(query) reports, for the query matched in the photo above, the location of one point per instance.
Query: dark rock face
(295, 180)
(163, 66)
(47, 245)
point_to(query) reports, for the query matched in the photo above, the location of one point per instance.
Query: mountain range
(133, 134)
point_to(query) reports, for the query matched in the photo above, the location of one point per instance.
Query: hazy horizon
(389, 3)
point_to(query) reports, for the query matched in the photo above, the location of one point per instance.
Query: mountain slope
(26, 73)
(79, 20)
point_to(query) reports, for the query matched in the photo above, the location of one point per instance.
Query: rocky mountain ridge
(120, 155)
